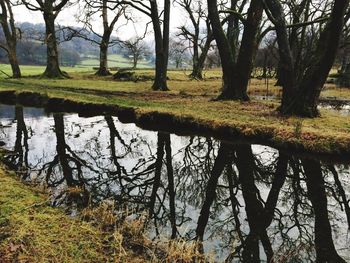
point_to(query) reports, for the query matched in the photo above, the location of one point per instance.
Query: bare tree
(198, 34)
(11, 35)
(110, 12)
(301, 90)
(236, 66)
(136, 49)
(50, 10)
(161, 28)
(177, 52)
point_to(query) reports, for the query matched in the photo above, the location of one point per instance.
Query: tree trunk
(10, 31)
(158, 172)
(107, 31)
(248, 49)
(305, 102)
(161, 45)
(103, 70)
(135, 60)
(325, 250)
(160, 81)
(253, 206)
(226, 56)
(171, 186)
(285, 71)
(302, 99)
(52, 68)
(12, 55)
(235, 83)
(197, 72)
(61, 149)
(223, 158)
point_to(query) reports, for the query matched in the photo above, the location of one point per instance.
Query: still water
(248, 203)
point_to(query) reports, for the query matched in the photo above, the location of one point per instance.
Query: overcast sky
(67, 17)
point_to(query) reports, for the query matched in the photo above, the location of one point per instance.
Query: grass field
(114, 60)
(86, 66)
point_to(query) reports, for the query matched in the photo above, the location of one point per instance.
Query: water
(341, 108)
(246, 202)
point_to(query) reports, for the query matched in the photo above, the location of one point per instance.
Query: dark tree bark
(50, 10)
(247, 51)
(302, 98)
(171, 186)
(259, 216)
(235, 81)
(52, 65)
(158, 172)
(306, 101)
(11, 34)
(161, 37)
(197, 71)
(325, 250)
(106, 37)
(61, 149)
(162, 44)
(19, 160)
(21, 138)
(103, 70)
(224, 158)
(66, 158)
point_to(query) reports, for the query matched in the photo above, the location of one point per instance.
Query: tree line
(306, 35)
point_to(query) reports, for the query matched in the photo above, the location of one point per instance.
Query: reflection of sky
(89, 138)
(342, 110)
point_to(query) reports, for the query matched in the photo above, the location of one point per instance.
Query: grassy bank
(189, 103)
(32, 231)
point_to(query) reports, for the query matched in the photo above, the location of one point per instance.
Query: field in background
(86, 66)
(179, 82)
(114, 60)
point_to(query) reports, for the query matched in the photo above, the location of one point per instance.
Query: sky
(67, 17)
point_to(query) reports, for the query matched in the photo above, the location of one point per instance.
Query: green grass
(191, 99)
(86, 66)
(114, 60)
(32, 231)
(37, 70)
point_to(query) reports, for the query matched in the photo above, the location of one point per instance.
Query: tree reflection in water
(246, 203)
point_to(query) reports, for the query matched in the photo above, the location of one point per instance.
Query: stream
(248, 203)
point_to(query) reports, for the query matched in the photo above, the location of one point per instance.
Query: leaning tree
(301, 90)
(11, 34)
(237, 60)
(161, 26)
(50, 9)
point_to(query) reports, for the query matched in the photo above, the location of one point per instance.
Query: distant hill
(77, 51)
